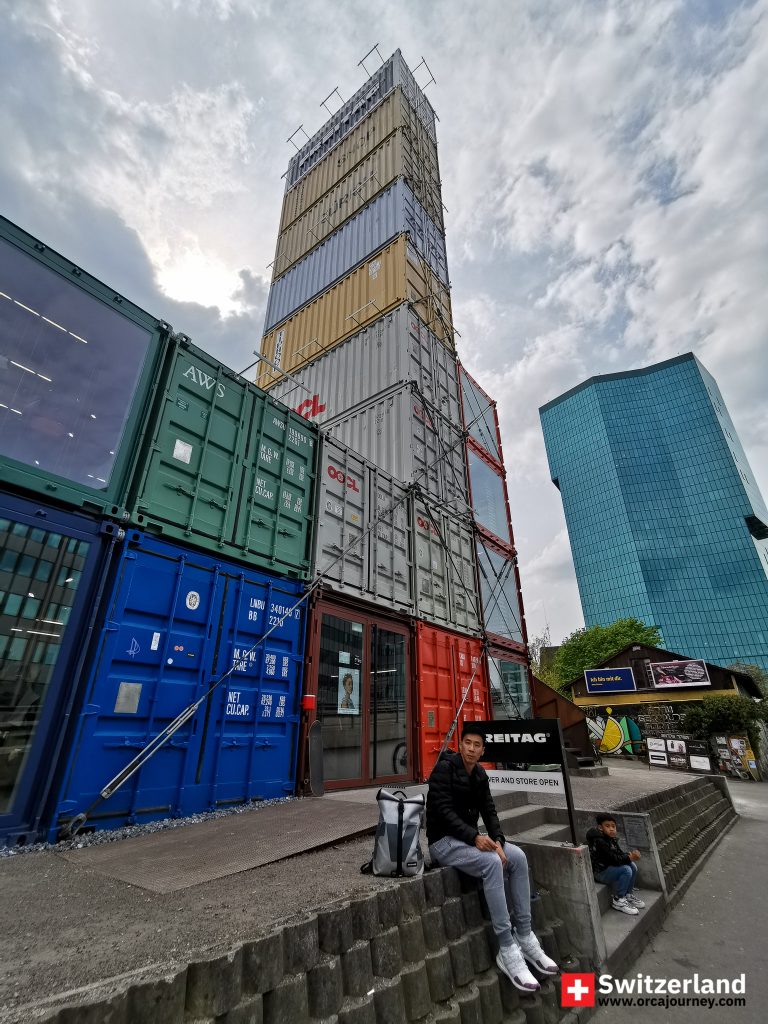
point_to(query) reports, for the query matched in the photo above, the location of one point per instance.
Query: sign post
(530, 741)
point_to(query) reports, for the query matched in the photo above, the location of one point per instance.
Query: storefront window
(39, 576)
(388, 737)
(340, 696)
(69, 367)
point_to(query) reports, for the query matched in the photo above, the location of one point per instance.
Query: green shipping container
(226, 468)
(78, 364)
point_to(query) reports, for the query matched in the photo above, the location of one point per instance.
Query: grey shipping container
(352, 493)
(396, 348)
(399, 155)
(445, 575)
(393, 212)
(392, 73)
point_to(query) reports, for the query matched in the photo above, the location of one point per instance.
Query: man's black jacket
(456, 800)
(605, 852)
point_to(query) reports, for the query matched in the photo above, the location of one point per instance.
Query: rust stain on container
(394, 275)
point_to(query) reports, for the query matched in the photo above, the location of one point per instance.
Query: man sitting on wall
(459, 793)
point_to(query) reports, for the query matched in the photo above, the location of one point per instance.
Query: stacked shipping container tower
(155, 522)
(359, 339)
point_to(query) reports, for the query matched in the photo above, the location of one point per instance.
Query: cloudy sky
(604, 165)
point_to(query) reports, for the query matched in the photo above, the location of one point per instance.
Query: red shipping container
(446, 663)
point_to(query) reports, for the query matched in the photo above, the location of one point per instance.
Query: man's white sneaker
(535, 955)
(510, 961)
(621, 903)
(634, 900)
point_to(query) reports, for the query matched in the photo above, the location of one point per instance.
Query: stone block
(389, 907)
(412, 897)
(549, 994)
(325, 987)
(386, 956)
(288, 1003)
(433, 888)
(214, 986)
(365, 917)
(473, 915)
(416, 995)
(453, 918)
(448, 1013)
(533, 1008)
(159, 1000)
(388, 1001)
(301, 946)
(440, 975)
(334, 927)
(510, 996)
(481, 953)
(263, 963)
(451, 881)
(357, 970)
(357, 1011)
(469, 1005)
(412, 940)
(434, 928)
(461, 961)
(251, 1011)
(490, 998)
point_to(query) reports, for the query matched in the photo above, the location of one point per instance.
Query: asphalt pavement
(719, 929)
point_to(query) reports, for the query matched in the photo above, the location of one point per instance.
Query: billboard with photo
(668, 674)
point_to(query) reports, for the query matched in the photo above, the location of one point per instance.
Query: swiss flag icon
(577, 990)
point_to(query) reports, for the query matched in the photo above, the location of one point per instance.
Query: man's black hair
(602, 818)
(474, 729)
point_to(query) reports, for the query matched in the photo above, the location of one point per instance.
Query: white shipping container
(393, 350)
(445, 576)
(352, 493)
(393, 72)
(393, 212)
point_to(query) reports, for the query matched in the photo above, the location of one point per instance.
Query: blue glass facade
(664, 516)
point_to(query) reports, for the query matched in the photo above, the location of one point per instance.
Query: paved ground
(719, 928)
(69, 921)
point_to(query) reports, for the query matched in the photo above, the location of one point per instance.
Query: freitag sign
(522, 741)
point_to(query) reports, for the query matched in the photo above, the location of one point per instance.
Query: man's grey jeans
(506, 886)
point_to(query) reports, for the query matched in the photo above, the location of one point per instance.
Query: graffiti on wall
(622, 730)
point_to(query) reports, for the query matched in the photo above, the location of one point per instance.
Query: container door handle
(217, 504)
(182, 490)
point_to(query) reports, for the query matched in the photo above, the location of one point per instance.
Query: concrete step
(516, 820)
(626, 936)
(550, 830)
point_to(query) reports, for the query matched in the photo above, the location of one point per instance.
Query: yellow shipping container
(393, 275)
(396, 156)
(392, 113)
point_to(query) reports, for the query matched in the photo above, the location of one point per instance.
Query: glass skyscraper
(664, 516)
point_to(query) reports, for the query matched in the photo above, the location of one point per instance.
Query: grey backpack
(396, 848)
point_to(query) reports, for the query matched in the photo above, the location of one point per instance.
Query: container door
(344, 488)
(388, 705)
(391, 544)
(45, 574)
(153, 662)
(250, 723)
(362, 699)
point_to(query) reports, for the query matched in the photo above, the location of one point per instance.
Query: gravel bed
(101, 836)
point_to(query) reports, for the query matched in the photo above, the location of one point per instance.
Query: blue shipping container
(174, 620)
(392, 212)
(52, 566)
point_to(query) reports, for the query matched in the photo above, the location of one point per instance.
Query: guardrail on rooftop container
(393, 72)
(392, 276)
(76, 378)
(174, 620)
(227, 468)
(393, 212)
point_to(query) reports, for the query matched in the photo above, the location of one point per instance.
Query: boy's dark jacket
(605, 852)
(456, 800)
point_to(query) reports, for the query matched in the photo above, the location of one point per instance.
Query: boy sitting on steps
(614, 867)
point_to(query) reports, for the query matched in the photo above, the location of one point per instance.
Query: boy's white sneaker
(510, 961)
(535, 955)
(634, 900)
(621, 903)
